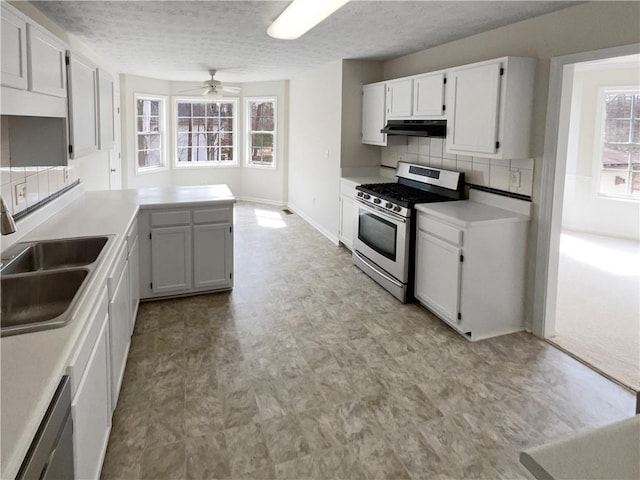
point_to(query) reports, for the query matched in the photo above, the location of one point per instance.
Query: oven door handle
(377, 270)
(382, 212)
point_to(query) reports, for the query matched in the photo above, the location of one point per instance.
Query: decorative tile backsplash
(478, 171)
(23, 187)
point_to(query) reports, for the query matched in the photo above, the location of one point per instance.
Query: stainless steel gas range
(384, 235)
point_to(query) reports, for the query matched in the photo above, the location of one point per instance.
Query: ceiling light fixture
(301, 16)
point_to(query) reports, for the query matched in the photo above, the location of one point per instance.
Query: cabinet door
(134, 281)
(14, 50)
(428, 95)
(106, 117)
(347, 217)
(91, 410)
(399, 101)
(474, 104)
(438, 276)
(373, 114)
(83, 129)
(171, 259)
(119, 333)
(47, 69)
(211, 258)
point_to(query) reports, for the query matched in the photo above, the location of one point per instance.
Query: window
(620, 152)
(261, 131)
(150, 133)
(205, 132)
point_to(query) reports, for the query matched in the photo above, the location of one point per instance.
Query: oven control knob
(367, 196)
(376, 200)
(396, 208)
(388, 205)
(360, 194)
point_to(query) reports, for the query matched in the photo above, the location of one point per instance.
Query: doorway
(587, 298)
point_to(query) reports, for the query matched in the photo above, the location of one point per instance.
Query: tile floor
(308, 369)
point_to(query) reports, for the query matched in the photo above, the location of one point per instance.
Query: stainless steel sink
(41, 281)
(50, 254)
(36, 302)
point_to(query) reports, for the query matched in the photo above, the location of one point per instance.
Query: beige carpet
(598, 305)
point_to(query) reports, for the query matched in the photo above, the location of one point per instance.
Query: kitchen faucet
(6, 220)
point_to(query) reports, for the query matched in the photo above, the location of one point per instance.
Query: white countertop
(466, 213)
(610, 451)
(369, 179)
(33, 363)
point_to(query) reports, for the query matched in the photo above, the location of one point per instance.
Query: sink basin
(39, 301)
(50, 254)
(42, 280)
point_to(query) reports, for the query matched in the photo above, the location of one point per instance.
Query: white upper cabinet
(46, 59)
(420, 96)
(373, 114)
(106, 117)
(428, 95)
(14, 49)
(83, 125)
(490, 106)
(399, 98)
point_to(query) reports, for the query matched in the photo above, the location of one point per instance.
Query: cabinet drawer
(116, 271)
(212, 215)
(132, 235)
(167, 219)
(441, 230)
(80, 359)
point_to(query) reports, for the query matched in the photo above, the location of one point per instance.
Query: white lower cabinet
(171, 259)
(91, 405)
(438, 279)
(347, 218)
(185, 250)
(470, 266)
(119, 322)
(211, 271)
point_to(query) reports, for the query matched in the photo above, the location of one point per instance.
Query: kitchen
(321, 144)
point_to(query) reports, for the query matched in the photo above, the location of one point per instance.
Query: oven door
(384, 239)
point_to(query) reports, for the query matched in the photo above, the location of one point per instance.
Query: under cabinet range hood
(416, 128)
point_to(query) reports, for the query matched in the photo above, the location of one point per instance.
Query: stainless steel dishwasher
(50, 455)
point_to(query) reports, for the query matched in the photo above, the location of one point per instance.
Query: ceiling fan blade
(191, 90)
(231, 89)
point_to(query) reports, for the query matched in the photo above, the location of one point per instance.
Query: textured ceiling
(180, 40)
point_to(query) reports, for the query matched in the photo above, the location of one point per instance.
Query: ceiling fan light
(301, 16)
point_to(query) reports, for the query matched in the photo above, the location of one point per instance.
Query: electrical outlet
(20, 195)
(514, 178)
(66, 175)
(401, 158)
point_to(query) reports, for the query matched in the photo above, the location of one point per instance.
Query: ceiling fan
(213, 88)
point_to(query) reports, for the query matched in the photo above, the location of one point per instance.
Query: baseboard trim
(261, 200)
(333, 238)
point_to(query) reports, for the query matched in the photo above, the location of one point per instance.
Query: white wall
(315, 126)
(264, 185)
(353, 153)
(325, 121)
(583, 209)
(261, 184)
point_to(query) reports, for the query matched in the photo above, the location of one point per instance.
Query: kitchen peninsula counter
(33, 363)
